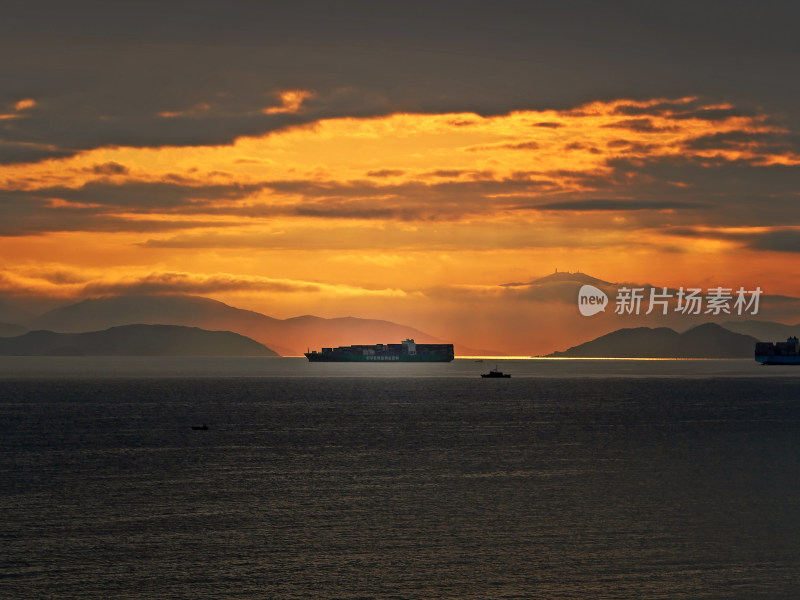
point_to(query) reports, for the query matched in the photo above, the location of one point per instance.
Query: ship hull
(778, 360)
(379, 359)
(407, 351)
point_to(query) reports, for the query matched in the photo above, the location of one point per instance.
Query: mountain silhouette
(134, 340)
(562, 276)
(704, 341)
(560, 287)
(288, 337)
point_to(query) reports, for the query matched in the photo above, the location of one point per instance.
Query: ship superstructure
(406, 351)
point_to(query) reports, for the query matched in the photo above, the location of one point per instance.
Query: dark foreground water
(400, 487)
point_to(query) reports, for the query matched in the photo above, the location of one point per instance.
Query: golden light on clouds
(557, 149)
(385, 213)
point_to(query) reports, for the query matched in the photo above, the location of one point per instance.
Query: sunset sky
(399, 161)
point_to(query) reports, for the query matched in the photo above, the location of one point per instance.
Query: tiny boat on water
(496, 374)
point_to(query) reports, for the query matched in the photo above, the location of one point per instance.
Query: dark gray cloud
(641, 124)
(110, 168)
(766, 141)
(356, 210)
(24, 152)
(582, 146)
(446, 173)
(779, 241)
(621, 205)
(628, 146)
(776, 240)
(144, 196)
(521, 146)
(22, 214)
(683, 110)
(714, 114)
(385, 173)
(94, 206)
(742, 192)
(311, 189)
(102, 72)
(658, 109)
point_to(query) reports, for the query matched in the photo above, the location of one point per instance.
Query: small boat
(495, 374)
(202, 427)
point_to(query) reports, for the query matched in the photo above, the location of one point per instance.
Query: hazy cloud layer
(185, 283)
(76, 283)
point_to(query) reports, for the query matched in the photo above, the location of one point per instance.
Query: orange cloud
(19, 106)
(25, 104)
(291, 102)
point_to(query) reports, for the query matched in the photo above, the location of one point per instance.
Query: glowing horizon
(401, 214)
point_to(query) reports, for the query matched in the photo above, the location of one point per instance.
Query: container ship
(406, 351)
(779, 353)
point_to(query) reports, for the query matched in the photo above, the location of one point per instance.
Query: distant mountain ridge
(704, 341)
(288, 337)
(553, 296)
(563, 277)
(134, 340)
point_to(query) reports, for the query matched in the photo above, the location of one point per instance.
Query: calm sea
(572, 479)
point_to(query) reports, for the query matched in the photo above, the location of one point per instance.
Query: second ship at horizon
(406, 351)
